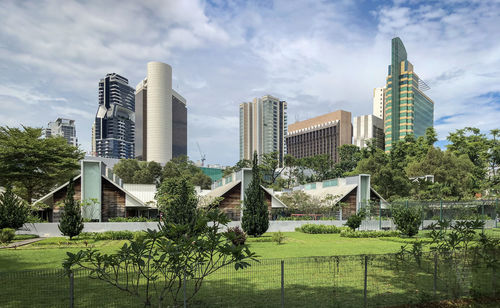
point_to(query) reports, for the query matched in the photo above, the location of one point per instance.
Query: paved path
(22, 243)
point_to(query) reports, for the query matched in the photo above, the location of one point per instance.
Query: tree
(269, 167)
(177, 201)
(181, 166)
(34, 164)
(71, 223)
(154, 269)
(255, 220)
(14, 211)
(138, 172)
(349, 156)
(354, 221)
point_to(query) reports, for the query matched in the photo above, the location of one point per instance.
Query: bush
(407, 219)
(369, 234)
(71, 223)
(13, 210)
(278, 237)
(354, 221)
(319, 229)
(132, 219)
(109, 235)
(236, 235)
(7, 235)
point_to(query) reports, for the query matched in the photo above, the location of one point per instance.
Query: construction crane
(202, 155)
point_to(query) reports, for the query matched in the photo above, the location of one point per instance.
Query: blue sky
(318, 56)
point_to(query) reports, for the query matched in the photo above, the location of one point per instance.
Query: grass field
(312, 276)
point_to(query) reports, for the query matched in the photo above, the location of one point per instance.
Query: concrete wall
(51, 229)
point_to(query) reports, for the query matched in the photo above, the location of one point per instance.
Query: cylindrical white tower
(159, 112)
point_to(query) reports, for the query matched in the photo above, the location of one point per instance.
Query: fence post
(184, 290)
(406, 202)
(380, 215)
(366, 283)
(282, 283)
(496, 214)
(71, 289)
(441, 210)
(435, 273)
(482, 215)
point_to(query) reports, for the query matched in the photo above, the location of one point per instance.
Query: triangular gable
(44, 198)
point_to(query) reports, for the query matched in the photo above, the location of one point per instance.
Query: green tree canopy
(181, 166)
(177, 201)
(71, 223)
(138, 172)
(255, 220)
(33, 164)
(14, 211)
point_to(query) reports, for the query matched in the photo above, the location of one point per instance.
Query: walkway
(22, 243)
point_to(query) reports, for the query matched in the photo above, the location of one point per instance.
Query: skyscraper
(407, 109)
(323, 134)
(114, 126)
(368, 128)
(263, 125)
(64, 128)
(378, 102)
(161, 116)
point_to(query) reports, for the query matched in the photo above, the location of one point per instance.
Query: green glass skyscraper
(407, 109)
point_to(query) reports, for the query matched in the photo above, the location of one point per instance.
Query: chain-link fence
(340, 281)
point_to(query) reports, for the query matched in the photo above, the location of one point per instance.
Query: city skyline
(51, 61)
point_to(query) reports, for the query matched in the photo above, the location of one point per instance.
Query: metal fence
(340, 281)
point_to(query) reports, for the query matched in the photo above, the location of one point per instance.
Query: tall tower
(407, 109)
(64, 128)
(263, 125)
(378, 102)
(161, 116)
(114, 126)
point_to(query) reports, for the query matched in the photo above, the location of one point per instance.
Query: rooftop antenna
(201, 154)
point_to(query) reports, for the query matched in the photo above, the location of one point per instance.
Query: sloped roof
(337, 192)
(47, 196)
(220, 191)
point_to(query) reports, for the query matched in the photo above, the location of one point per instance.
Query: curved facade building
(161, 116)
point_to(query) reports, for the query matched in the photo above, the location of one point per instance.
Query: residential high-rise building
(320, 135)
(63, 128)
(161, 116)
(368, 128)
(378, 102)
(114, 126)
(263, 124)
(407, 109)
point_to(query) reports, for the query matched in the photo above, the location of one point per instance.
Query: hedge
(319, 229)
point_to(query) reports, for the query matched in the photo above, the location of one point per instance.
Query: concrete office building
(63, 128)
(407, 109)
(263, 125)
(368, 128)
(114, 127)
(378, 102)
(161, 116)
(320, 135)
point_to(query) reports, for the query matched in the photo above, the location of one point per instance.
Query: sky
(319, 56)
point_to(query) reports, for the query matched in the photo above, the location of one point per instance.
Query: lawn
(322, 281)
(49, 253)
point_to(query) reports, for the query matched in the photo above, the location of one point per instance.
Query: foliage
(255, 220)
(166, 258)
(138, 172)
(237, 236)
(7, 235)
(270, 167)
(71, 223)
(132, 219)
(33, 164)
(177, 201)
(354, 221)
(278, 237)
(181, 166)
(407, 219)
(369, 234)
(319, 229)
(349, 156)
(300, 202)
(14, 212)
(108, 235)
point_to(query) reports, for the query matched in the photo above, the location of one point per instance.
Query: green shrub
(7, 235)
(369, 234)
(132, 219)
(407, 219)
(278, 237)
(71, 223)
(140, 236)
(319, 229)
(109, 235)
(354, 221)
(13, 210)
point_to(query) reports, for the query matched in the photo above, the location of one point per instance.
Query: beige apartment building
(320, 135)
(263, 125)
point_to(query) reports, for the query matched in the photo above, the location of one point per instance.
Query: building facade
(378, 102)
(407, 109)
(368, 128)
(161, 116)
(263, 127)
(63, 128)
(320, 135)
(114, 127)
